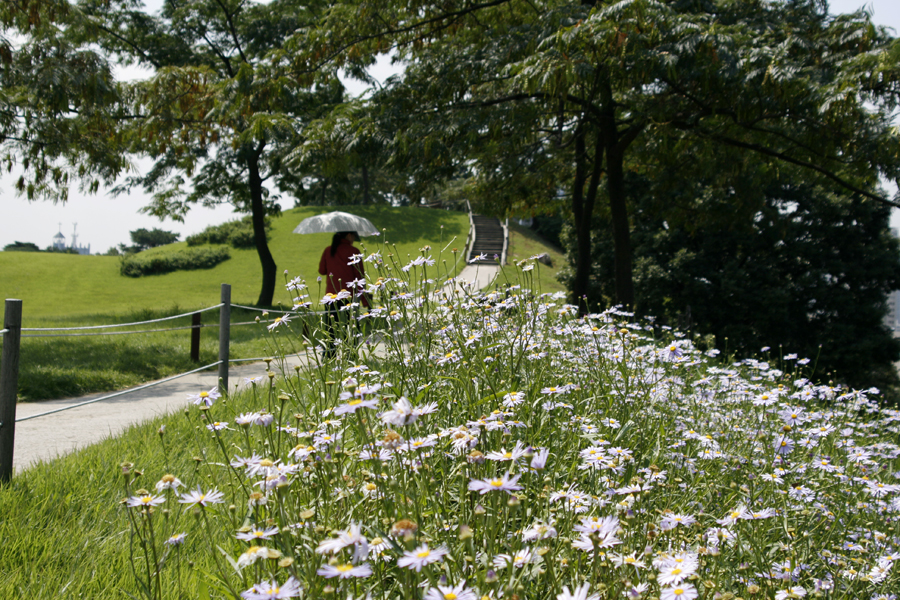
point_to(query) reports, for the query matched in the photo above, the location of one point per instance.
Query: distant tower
(79, 249)
(59, 240)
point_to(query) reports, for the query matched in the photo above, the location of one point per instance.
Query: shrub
(138, 265)
(237, 234)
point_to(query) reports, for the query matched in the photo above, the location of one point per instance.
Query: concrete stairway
(489, 237)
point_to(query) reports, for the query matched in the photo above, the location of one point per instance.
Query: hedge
(237, 234)
(138, 265)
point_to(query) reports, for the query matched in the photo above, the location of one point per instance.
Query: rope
(120, 324)
(201, 326)
(43, 335)
(2, 331)
(283, 312)
(123, 392)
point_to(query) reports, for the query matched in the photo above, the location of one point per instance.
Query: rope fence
(201, 326)
(282, 312)
(116, 394)
(121, 324)
(12, 333)
(9, 361)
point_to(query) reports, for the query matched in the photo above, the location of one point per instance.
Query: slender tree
(219, 116)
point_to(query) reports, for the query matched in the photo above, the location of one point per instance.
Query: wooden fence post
(224, 337)
(195, 337)
(9, 381)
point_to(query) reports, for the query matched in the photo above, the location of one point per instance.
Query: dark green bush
(138, 265)
(237, 234)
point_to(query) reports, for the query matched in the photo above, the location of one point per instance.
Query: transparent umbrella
(336, 221)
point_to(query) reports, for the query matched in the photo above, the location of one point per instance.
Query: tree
(21, 247)
(143, 239)
(222, 111)
(539, 97)
(800, 267)
(57, 99)
(344, 161)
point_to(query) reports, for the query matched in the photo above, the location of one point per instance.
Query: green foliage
(58, 99)
(144, 239)
(801, 268)
(21, 247)
(237, 234)
(543, 100)
(188, 259)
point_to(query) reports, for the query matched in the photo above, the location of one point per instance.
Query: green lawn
(64, 288)
(523, 244)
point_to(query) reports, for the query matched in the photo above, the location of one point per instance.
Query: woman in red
(338, 271)
(335, 266)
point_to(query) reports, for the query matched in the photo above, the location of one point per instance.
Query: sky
(103, 221)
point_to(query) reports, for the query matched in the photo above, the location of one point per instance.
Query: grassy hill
(523, 244)
(64, 290)
(69, 288)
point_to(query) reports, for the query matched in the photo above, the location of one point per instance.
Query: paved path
(48, 437)
(482, 275)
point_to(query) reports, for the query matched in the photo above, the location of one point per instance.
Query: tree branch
(449, 16)
(795, 161)
(231, 29)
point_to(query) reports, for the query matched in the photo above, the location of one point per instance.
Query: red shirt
(336, 270)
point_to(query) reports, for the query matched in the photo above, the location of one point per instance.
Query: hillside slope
(70, 286)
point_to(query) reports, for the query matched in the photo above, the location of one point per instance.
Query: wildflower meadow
(445, 443)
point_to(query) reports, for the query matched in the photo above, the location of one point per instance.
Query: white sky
(104, 221)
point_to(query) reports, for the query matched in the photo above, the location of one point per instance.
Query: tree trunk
(258, 216)
(582, 211)
(365, 181)
(615, 187)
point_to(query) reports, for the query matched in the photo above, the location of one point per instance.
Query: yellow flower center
(424, 554)
(344, 568)
(449, 596)
(496, 482)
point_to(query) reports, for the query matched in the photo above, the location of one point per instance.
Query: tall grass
(470, 445)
